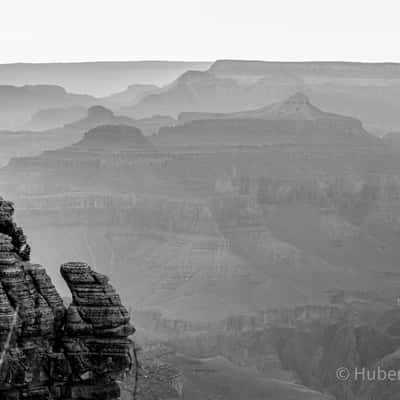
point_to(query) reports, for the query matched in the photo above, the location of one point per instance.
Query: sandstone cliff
(48, 351)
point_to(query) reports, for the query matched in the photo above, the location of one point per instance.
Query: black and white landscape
(246, 212)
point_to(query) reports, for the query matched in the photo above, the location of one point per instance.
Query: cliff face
(48, 351)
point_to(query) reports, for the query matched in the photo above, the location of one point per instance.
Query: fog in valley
(246, 214)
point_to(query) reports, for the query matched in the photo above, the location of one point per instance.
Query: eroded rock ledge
(48, 352)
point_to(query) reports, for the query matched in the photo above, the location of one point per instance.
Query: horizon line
(321, 61)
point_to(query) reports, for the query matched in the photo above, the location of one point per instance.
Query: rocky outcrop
(9, 228)
(96, 332)
(48, 351)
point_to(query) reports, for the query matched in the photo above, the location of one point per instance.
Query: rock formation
(46, 351)
(294, 121)
(115, 136)
(296, 107)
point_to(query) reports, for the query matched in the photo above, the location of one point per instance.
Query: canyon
(236, 240)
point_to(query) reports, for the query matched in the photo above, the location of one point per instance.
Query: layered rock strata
(48, 352)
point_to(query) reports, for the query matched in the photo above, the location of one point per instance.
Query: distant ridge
(19, 103)
(255, 67)
(296, 107)
(100, 78)
(50, 118)
(204, 91)
(131, 95)
(293, 121)
(98, 115)
(366, 91)
(115, 136)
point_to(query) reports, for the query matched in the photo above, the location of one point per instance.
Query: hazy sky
(89, 30)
